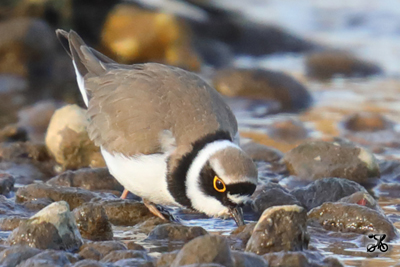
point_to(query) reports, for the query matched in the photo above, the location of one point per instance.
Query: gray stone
(280, 228)
(205, 249)
(325, 190)
(345, 217)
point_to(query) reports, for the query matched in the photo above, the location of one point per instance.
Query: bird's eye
(219, 185)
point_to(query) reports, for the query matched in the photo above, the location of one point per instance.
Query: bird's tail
(85, 59)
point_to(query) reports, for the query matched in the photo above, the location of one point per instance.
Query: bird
(165, 134)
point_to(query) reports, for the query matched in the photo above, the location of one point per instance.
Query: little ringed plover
(165, 134)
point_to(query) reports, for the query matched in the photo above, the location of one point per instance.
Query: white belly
(143, 175)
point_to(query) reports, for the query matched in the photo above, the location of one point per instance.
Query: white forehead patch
(200, 201)
(238, 198)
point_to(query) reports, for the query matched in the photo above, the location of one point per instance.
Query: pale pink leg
(153, 209)
(124, 194)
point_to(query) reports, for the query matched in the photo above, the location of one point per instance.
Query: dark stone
(270, 195)
(14, 255)
(101, 248)
(174, 232)
(92, 222)
(245, 259)
(37, 204)
(90, 253)
(328, 64)
(13, 133)
(87, 178)
(148, 225)
(205, 249)
(125, 212)
(75, 197)
(325, 190)
(259, 152)
(345, 217)
(42, 235)
(300, 259)
(315, 160)
(49, 258)
(9, 223)
(51, 228)
(242, 234)
(6, 183)
(117, 255)
(257, 84)
(280, 228)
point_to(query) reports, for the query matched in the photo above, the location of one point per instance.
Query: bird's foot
(124, 194)
(159, 211)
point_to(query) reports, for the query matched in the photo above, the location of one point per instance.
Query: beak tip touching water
(237, 215)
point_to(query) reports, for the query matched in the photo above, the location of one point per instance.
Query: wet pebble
(134, 246)
(99, 249)
(68, 140)
(75, 197)
(50, 258)
(318, 159)
(9, 223)
(246, 259)
(205, 249)
(117, 255)
(325, 190)
(241, 235)
(259, 152)
(287, 130)
(16, 254)
(280, 228)
(87, 178)
(270, 195)
(149, 224)
(52, 228)
(6, 183)
(92, 222)
(271, 86)
(126, 212)
(328, 64)
(300, 259)
(175, 232)
(166, 259)
(9, 208)
(366, 122)
(345, 217)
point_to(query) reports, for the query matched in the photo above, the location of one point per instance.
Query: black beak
(237, 214)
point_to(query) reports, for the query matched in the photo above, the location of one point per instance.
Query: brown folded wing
(131, 106)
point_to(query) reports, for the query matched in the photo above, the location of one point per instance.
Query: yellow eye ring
(219, 185)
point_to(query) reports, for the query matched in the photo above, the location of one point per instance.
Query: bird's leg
(124, 194)
(153, 209)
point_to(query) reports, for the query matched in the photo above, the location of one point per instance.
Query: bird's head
(221, 179)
